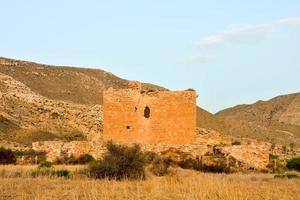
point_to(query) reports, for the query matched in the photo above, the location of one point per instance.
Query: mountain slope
(60, 102)
(78, 85)
(276, 120)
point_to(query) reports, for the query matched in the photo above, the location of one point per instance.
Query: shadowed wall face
(150, 117)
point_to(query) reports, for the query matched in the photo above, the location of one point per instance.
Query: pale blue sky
(231, 52)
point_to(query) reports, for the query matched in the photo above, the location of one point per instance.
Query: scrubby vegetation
(294, 163)
(160, 166)
(219, 165)
(72, 160)
(119, 162)
(7, 156)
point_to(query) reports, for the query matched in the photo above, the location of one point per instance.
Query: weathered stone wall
(132, 115)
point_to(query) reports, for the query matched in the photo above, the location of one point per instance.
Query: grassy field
(17, 183)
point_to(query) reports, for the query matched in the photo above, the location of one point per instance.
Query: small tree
(119, 162)
(7, 156)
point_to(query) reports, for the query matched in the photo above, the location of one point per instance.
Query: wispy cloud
(249, 33)
(199, 58)
(291, 21)
(239, 34)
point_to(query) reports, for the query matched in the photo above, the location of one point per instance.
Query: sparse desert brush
(294, 163)
(119, 162)
(7, 156)
(149, 156)
(160, 166)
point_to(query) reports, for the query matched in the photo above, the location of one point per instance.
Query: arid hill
(276, 120)
(42, 102)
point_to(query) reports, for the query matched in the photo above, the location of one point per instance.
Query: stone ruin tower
(149, 117)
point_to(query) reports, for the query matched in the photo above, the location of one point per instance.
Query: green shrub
(119, 162)
(160, 166)
(7, 156)
(294, 164)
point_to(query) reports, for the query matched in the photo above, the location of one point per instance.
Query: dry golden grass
(184, 184)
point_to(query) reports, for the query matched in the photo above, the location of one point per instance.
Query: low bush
(219, 166)
(7, 156)
(294, 164)
(191, 163)
(149, 157)
(119, 162)
(216, 165)
(160, 166)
